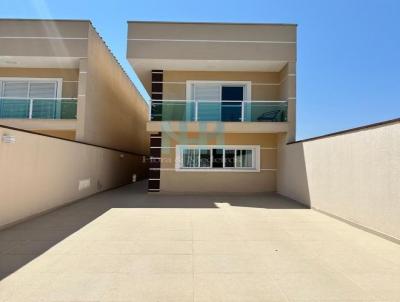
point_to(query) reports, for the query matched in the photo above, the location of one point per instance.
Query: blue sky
(348, 51)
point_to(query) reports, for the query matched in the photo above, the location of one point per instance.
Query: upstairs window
(30, 88)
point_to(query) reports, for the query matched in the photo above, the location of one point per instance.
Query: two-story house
(222, 96)
(58, 77)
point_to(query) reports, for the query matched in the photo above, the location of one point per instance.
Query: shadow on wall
(292, 177)
(26, 241)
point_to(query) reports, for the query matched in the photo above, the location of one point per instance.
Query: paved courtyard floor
(127, 245)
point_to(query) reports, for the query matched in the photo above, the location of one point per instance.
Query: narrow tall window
(229, 158)
(218, 155)
(205, 158)
(244, 158)
(190, 158)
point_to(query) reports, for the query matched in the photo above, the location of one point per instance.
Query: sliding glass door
(231, 103)
(219, 101)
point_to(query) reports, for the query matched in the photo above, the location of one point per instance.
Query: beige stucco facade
(265, 86)
(110, 110)
(209, 46)
(218, 127)
(69, 76)
(169, 57)
(261, 180)
(262, 54)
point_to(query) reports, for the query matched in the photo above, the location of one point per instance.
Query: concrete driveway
(126, 245)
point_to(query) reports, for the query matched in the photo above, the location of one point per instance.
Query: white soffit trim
(184, 83)
(48, 38)
(143, 65)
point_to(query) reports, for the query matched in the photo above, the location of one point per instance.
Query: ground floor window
(238, 158)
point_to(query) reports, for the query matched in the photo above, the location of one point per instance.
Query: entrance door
(231, 103)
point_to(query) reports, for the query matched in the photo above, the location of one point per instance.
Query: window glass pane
(229, 158)
(190, 158)
(232, 93)
(14, 108)
(68, 109)
(207, 92)
(238, 158)
(231, 111)
(205, 158)
(43, 90)
(244, 158)
(44, 109)
(217, 158)
(17, 89)
(247, 159)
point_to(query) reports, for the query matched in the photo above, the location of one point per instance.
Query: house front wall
(265, 86)
(172, 180)
(44, 38)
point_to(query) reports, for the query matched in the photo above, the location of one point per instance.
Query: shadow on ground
(24, 242)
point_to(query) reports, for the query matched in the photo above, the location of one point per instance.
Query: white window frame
(246, 84)
(37, 80)
(255, 158)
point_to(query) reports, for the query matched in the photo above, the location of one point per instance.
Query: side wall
(115, 114)
(355, 176)
(39, 173)
(179, 181)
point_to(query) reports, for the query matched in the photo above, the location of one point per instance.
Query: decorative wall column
(81, 104)
(155, 138)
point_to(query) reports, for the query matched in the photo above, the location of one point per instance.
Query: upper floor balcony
(219, 111)
(44, 114)
(212, 62)
(38, 108)
(224, 116)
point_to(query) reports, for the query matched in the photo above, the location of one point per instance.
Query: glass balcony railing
(222, 111)
(38, 108)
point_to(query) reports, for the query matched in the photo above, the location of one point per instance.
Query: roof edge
(38, 19)
(214, 23)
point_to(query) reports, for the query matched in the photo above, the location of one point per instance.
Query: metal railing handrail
(197, 105)
(32, 101)
(220, 101)
(26, 98)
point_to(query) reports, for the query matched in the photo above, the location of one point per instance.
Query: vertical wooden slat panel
(157, 78)
(155, 162)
